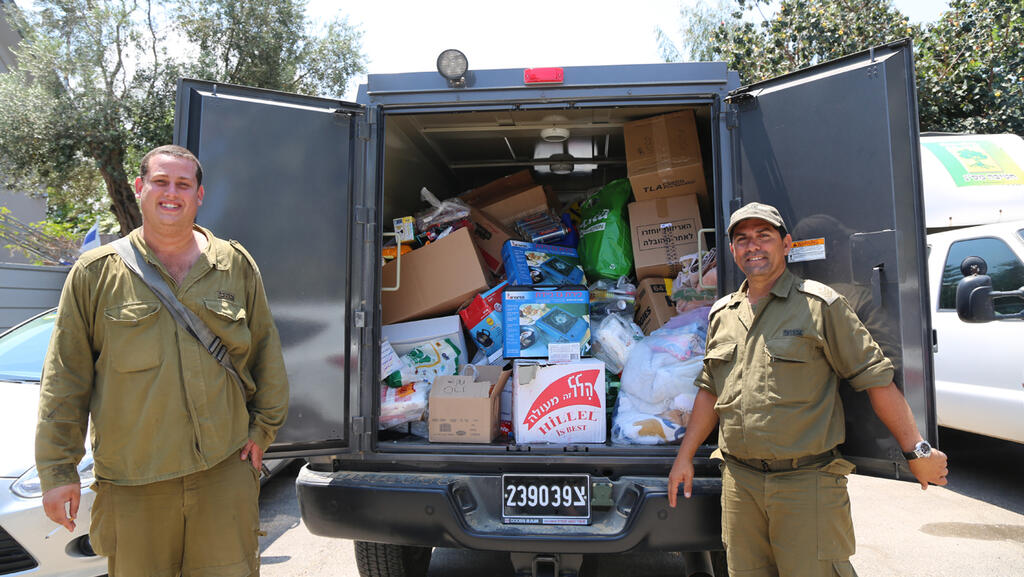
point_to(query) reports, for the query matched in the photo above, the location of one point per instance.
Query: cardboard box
(482, 318)
(404, 337)
(489, 236)
(654, 304)
(435, 279)
(507, 199)
(559, 403)
(663, 231)
(546, 322)
(464, 408)
(663, 156)
(527, 263)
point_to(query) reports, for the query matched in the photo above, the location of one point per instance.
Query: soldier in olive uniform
(776, 351)
(177, 441)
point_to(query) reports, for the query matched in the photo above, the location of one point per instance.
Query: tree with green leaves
(93, 89)
(970, 64)
(970, 68)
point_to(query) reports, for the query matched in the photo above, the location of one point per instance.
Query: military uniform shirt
(775, 369)
(161, 405)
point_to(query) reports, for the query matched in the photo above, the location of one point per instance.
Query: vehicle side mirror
(975, 297)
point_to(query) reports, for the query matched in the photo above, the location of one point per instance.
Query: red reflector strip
(542, 75)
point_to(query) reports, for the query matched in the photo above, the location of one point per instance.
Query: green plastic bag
(605, 248)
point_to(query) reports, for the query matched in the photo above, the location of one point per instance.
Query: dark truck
(310, 185)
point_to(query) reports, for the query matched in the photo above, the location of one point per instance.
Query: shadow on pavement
(279, 510)
(984, 468)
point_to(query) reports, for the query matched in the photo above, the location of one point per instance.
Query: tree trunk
(121, 192)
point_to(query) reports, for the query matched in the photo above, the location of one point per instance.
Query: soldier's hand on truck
(682, 472)
(931, 469)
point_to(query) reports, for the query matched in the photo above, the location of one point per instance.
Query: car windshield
(22, 350)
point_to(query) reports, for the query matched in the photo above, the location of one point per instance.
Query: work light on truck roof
(452, 64)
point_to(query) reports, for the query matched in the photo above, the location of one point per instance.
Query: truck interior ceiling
(571, 150)
(452, 152)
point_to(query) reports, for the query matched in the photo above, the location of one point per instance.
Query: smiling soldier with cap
(776, 351)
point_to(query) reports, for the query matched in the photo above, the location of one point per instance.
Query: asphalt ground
(974, 526)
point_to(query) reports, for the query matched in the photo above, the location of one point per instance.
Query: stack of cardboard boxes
(538, 319)
(666, 171)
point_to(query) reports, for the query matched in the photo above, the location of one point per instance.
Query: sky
(407, 35)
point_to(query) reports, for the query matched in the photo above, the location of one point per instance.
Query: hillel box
(546, 322)
(559, 403)
(482, 319)
(527, 263)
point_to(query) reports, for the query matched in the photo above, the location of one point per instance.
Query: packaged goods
(482, 319)
(406, 404)
(464, 408)
(696, 284)
(541, 264)
(390, 365)
(663, 156)
(657, 392)
(405, 229)
(429, 360)
(435, 279)
(559, 403)
(612, 340)
(541, 227)
(663, 231)
(654, 305)
(633, 424)
(442, 218)
(611, 297)
(605, 247)
(404, 337)
(544, 322)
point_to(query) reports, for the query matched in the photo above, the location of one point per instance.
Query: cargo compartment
(500, 162)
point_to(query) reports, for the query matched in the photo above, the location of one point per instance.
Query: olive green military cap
(765, 212)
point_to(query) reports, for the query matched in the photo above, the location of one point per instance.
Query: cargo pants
(793, 523)
(205, 524)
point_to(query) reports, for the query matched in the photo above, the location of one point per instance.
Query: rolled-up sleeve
(851, 350)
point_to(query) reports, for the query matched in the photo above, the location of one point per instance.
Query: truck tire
(387, 560)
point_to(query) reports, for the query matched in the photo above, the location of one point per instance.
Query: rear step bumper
(462, 510)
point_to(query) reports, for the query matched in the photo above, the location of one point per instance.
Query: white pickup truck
(974, 202)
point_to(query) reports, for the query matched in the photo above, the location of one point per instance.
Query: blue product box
(482, 318)
(527, 263)
(546, 322)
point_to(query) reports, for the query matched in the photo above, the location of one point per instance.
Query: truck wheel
(387, 560)
(718, 564)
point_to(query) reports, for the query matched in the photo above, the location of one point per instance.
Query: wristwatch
(921, 450)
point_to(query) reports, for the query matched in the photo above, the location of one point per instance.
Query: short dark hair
(175, 151)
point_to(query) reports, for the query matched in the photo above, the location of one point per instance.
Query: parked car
(28, 543)
(973, 185)
(27, 540)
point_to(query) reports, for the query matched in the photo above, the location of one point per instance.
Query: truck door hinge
(363, 215)
(732, 118)
(359, 318)
(363, 127)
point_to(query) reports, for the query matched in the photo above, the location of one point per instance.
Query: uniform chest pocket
(133, 338)
(794, 364)
(227, 320)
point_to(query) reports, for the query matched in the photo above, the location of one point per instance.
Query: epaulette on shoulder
(719, 305)
(238, 246)
(817, 289)
(96, 254)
